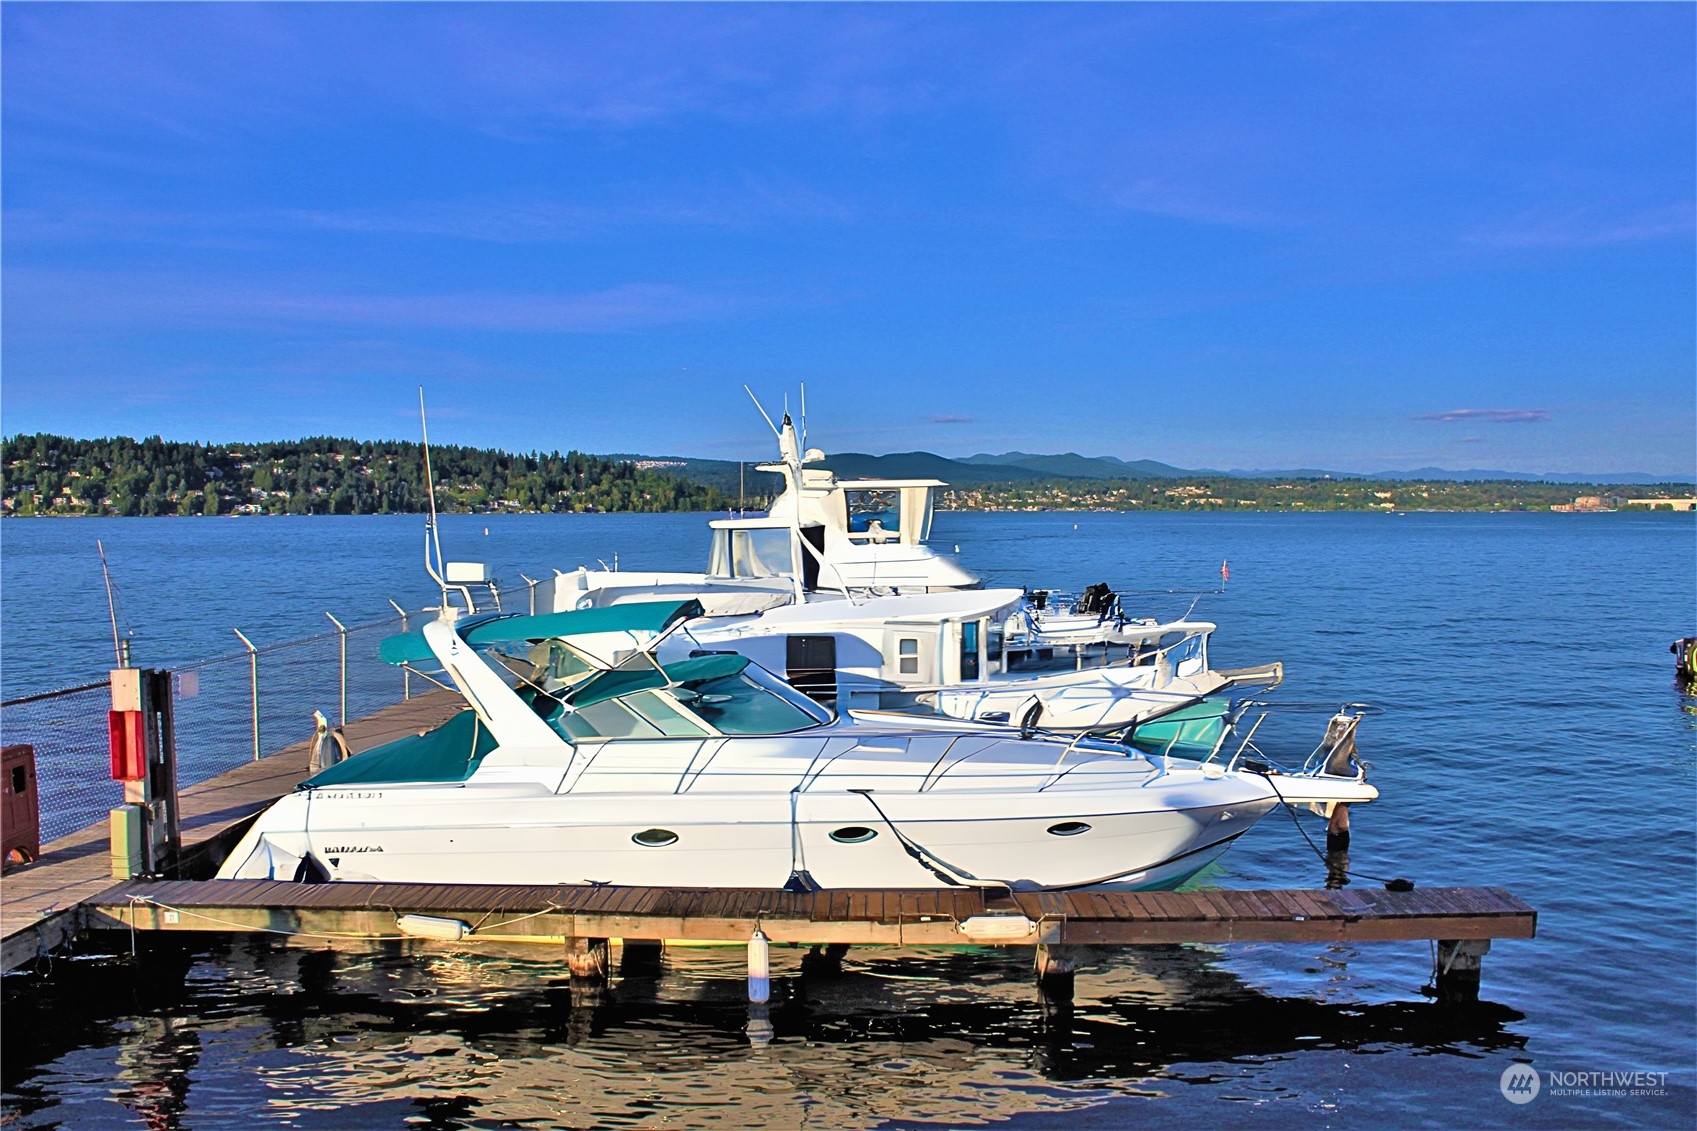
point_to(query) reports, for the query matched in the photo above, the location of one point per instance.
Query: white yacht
(980, 655)
(822, 535)
(582, 756)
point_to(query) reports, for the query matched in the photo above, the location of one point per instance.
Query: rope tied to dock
(1397, 883)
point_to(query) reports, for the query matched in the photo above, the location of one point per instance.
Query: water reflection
(452, 1039)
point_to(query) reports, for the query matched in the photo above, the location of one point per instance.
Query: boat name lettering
(351, 849)
(344, 795)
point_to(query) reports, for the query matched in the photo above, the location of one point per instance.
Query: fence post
(342, 631)
(406, 672)
(253, 676)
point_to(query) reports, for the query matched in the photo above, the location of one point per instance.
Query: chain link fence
(229, 710)
(72, 754)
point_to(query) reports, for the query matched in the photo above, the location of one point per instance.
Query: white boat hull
(982, 807)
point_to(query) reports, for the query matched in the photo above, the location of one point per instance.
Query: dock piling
(587, 961)
(1056, 967)
(1459, 967)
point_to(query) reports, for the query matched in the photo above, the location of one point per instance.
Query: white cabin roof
(963, 604)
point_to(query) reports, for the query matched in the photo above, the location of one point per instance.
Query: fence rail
(229, 709)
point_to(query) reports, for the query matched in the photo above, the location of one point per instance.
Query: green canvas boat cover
(610, 685)
(449, 753)
(638, 616)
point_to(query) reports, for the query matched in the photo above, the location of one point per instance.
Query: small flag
(1225, 572)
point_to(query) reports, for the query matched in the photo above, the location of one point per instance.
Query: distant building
(1594, 504)
(1659, 504)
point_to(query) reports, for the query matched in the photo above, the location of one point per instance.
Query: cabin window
(1069, 828)
(655, 838)
(873, 514)
(1188, 649)
(908, 651)
(853, 834)
(751, 552)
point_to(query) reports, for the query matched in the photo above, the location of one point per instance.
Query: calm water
(1531, 738)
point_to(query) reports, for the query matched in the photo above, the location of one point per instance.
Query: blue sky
(1357, 237)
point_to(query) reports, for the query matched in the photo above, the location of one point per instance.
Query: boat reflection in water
(432, 1037)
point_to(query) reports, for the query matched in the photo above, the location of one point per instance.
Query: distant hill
(1074, 466)
(924, 465)
(1024, 467)
(725, 475)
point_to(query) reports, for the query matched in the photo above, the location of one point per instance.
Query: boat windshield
(719, 692)
(753, 701)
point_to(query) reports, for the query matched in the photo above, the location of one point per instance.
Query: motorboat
(983, 655)
(822, 535)
(582, 755)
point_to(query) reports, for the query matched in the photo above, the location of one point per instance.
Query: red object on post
(128, 732)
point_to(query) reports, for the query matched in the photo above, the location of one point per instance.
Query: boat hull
(1056, 840)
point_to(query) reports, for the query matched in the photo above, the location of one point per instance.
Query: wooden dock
(40, 902)
(927, 917)
(70, 891)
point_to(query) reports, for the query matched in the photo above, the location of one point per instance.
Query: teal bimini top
(639, 616)
(449, 753)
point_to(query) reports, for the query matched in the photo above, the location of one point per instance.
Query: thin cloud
(1585, 228)
(1490, 415)
(82, 301)
(952, 420)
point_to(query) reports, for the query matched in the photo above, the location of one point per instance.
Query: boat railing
(1316, 759)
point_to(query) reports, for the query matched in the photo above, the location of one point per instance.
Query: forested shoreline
(57, 475)
(48, 475)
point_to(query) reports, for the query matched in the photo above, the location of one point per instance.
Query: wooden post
(587, 960)
(1459, 962)
(1055, 967)
(1337, 828)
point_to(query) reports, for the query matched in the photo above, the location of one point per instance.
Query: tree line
(1295, 494)
(44, 474)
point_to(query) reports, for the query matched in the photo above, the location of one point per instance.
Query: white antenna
(757, 404)
(804, 420)
(111, 607)
(432, 536)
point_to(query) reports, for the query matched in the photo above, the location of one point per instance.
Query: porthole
(655, 838)
(1069, 828)
(853, 834)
